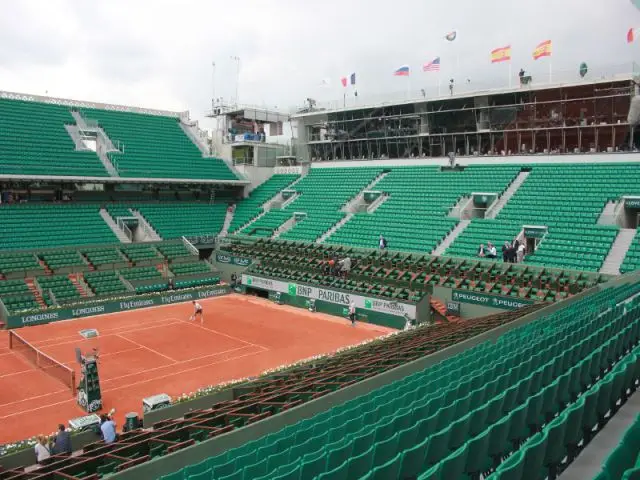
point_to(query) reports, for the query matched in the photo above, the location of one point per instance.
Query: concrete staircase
(228, 218)
(352, 205)
(377, 202)
(621, 244)
(266, 206)
(494, 210)
(78, 281)
(289, 201)
(191, 132)
(35, 292)
(286, 226)
(108, 219)
(608, 214)
(104, 144)
(449, 239)
(150, 232)
(333, 229)
(441, 309)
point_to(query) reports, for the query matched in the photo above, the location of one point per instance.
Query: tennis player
(197, 312)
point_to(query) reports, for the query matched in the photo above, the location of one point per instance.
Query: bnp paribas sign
(493, 301)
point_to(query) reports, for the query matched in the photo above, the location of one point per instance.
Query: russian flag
(403, 71)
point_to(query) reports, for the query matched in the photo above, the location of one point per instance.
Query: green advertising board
(493, 301)
(632, 203)
(233, 260)
(535, 232)
(113, 306)
(386, 306)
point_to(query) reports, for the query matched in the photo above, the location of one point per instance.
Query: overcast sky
(159, 53)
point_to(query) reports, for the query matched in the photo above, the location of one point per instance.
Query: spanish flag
(502, 54)
(542, 50)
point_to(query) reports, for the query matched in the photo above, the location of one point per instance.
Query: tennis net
(43, 361)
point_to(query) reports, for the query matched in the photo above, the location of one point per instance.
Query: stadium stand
(174, 220)
(322, 193)
(34, 141)
(15, 263)
(23, 226)
(105, 283)
(155, 147)
(251, 207)
(63, 290)
(535, 397)
(414, 217)
(402, 275)
(270, 396)
(555, 196)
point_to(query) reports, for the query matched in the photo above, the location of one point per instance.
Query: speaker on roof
(634, 111)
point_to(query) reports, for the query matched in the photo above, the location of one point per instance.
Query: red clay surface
(158, 350)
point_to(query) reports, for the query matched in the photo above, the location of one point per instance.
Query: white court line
(114, 331)
(165, 366)
(130, 384)
(114, 334)
(195, 324)
(149, 349)
(68, 364)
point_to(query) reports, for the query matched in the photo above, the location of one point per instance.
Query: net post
(73, 382)
(10, 340)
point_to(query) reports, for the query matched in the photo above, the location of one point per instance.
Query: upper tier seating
(251, 206)
(34, 141)
(323, 192)
(529, 400)
(155, 146)
(26, 226)
(414, 217)
(569, 199)
(174, 220)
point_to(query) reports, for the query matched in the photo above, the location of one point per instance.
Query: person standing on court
(352, 314)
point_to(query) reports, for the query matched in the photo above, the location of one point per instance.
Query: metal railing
(123, 226)
(190, 246)
(468, 85)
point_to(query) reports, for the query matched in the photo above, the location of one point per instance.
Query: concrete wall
(256, 175)
(493, 160)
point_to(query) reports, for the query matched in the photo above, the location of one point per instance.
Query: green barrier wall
(128, 303)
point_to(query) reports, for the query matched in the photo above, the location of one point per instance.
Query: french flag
(403, 71)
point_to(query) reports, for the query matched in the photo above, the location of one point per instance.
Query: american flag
(432, 66)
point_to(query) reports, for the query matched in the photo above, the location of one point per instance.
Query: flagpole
(550, 71)
(509, 73)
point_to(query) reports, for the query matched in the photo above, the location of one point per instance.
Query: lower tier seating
(526, 402)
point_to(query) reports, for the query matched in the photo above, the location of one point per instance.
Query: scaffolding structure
(589, 117)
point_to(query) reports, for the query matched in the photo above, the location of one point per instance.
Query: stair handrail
(190, 246)
(53, 297)
(127, 231)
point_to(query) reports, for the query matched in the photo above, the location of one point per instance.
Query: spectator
(514, 251)
(62, 445)
(491, 250)
(42, 450)
(505, 252)
(481, 252)
(382, 243)
(234, 280)
(108, 429)
(345, 266)
(520, 253)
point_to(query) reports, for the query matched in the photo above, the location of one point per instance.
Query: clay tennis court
(158, 350)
